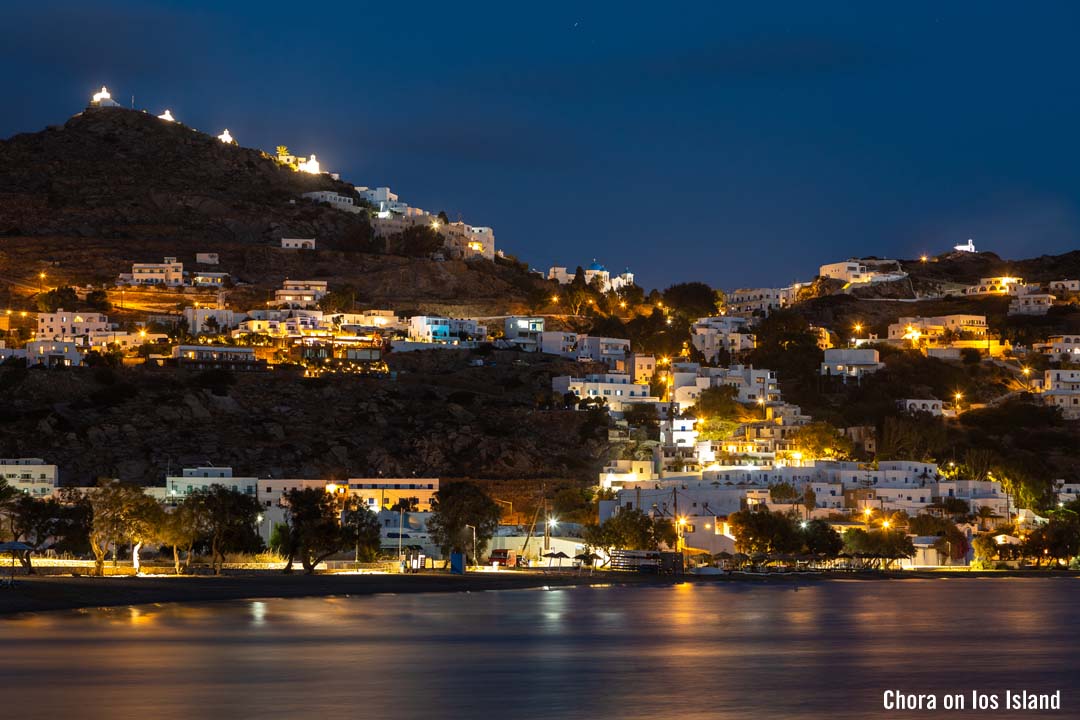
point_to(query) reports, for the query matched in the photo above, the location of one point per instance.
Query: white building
(854, 272)
(1061, 388)
(1060, 347)
(199, 319)
(1065, 286)
(969, 246)
(1004, 285)
(444, 330)
(752, 385)
(298, 243)
(53, 353)
(595, 271)
(32, 476)
(465, 241)
(725, 334)
(613, 352)
(524, 331)
(641, 367)
(851, 362)
(382, 199)
(208, 357)
(921, 405)
(169, 273)
(759, 302)
(967, 327)
(206, 258)
(383, 493)
(301, 293)
(76, 326)
(103, 99)
(201, 478)
(335, 200)
(369, 319)
(614, 388)
(1031, 304)
(209, 279)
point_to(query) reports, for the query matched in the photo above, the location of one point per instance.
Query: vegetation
(631, 530)
(459, 509)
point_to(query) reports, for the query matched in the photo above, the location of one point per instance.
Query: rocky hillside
(112, 186)
(440, 418)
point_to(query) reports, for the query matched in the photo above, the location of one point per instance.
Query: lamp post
(401, 529)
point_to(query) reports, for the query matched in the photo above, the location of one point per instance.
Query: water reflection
(828, 650)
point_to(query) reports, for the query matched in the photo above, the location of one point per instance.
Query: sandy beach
(44, 593)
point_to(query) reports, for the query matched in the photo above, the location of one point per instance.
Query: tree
(642, 415)
(819, 538)
(226, 518)
(361, 528)
(456, 505)
(61, 297)
(809, 499)
(1058, 539)
(406, 504)
(782, 493)
(764, 532)
(179, 530)
(98, 300)
(34, 521)
(986, 549)
(631, 530)
(883, 546)
(121, 512)
(315, 529)
(821, 440)
(8, 498)
(717, 402)
(693, 300)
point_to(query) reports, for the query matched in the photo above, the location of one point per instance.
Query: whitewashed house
(75, 326)
(201, 478)
(851, 362)
(725, 334)
(297, 243)
(614, 388)
(1031, 304)
(523, 331)
(334, 200)
(921, 405)
(169, 273)
(31, 476)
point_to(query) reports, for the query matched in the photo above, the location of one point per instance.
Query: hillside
(111, 186)
(440, 418)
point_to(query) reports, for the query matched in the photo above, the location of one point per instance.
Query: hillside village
(939, 394)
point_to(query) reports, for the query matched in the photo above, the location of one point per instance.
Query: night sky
(719, 142)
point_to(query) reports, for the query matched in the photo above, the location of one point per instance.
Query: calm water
(730, 651)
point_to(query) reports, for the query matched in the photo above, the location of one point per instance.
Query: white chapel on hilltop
(969, 247)
(103, 99)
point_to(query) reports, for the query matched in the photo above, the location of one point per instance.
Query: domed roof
(597, 266)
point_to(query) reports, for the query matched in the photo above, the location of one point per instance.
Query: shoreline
(32, 594)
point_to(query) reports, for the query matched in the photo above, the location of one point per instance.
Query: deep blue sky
(739, 144)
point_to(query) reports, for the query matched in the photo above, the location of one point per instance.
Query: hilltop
(113, 186)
